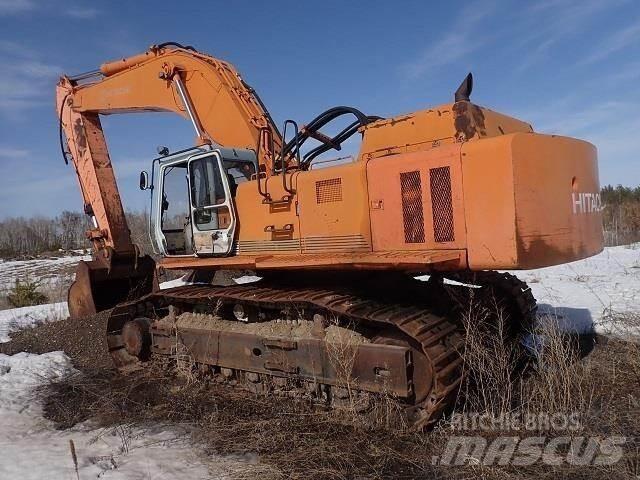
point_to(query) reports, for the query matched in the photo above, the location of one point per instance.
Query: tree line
(24, 237)
(621, 214)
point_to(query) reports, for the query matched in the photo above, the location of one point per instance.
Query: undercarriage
(335, 343)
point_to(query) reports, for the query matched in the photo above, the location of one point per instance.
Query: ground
(157, 427)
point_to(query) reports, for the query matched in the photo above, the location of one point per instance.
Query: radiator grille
(329, 190)
(440, 183)
(412, 210)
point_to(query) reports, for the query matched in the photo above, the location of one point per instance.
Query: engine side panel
(416, 201)
(333, 209)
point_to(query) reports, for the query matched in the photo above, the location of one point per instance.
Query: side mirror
(144, 180)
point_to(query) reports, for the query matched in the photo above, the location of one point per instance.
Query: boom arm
(223, 109)
(169, 77)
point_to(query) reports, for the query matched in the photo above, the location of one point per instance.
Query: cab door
(213, 215)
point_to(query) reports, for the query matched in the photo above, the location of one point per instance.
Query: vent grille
(440, 183)
(329, 190)
(342, 243)
(412, 210)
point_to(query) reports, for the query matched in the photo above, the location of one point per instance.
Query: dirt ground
(82, 340)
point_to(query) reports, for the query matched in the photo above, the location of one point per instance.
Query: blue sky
(569, 67)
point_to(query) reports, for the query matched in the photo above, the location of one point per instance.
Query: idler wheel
(136, 336)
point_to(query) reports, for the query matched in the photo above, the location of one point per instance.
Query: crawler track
(398, 312)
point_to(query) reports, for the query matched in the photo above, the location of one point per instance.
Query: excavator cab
(193, 211)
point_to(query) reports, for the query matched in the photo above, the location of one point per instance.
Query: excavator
(455, 194)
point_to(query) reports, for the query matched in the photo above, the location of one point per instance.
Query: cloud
(10, 153)
(609, 123)
(622, 74)
(578, 118)
(18, 7)
(13, 7)
(83, 13)
(12, 48)
(461, 39)
(535, 28)
(27, 82)
(38, 188)
(619, 40)
(551, 22)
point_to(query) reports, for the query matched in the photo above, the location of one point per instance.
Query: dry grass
(488, 362)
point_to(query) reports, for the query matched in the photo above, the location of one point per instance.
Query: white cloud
(618, 41)
(535, 28)
(34, 69)
(10, 153)
(461, 40)
(579, 119)
(26, 82)
(12, 7)
(83, 13)
(622, 74)
(551, 22)
(18, 7)
(37, 188)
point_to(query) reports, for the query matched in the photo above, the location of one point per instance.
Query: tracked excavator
(457, 193)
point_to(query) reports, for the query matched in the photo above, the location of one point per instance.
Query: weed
(25, 293)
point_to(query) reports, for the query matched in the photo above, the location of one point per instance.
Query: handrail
(267, 135)
(283, 161)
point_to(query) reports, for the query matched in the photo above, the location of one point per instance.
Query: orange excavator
(456, 192)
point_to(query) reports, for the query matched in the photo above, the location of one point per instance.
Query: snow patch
(600, 293)
(47, 271)
(30, 447)
(19, 318)
(182, 281)
(178, 282)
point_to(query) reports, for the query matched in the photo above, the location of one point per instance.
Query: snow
(182, 281)
(246, 279)
(600, 293)
(19, 318)
(30, 447)
(44, 270)
(178, 282)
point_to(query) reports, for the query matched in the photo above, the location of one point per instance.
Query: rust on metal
(430, 348)
(136, 336)
(103, 283)
(468, 120)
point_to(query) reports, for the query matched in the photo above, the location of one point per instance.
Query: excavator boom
(164, 79)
